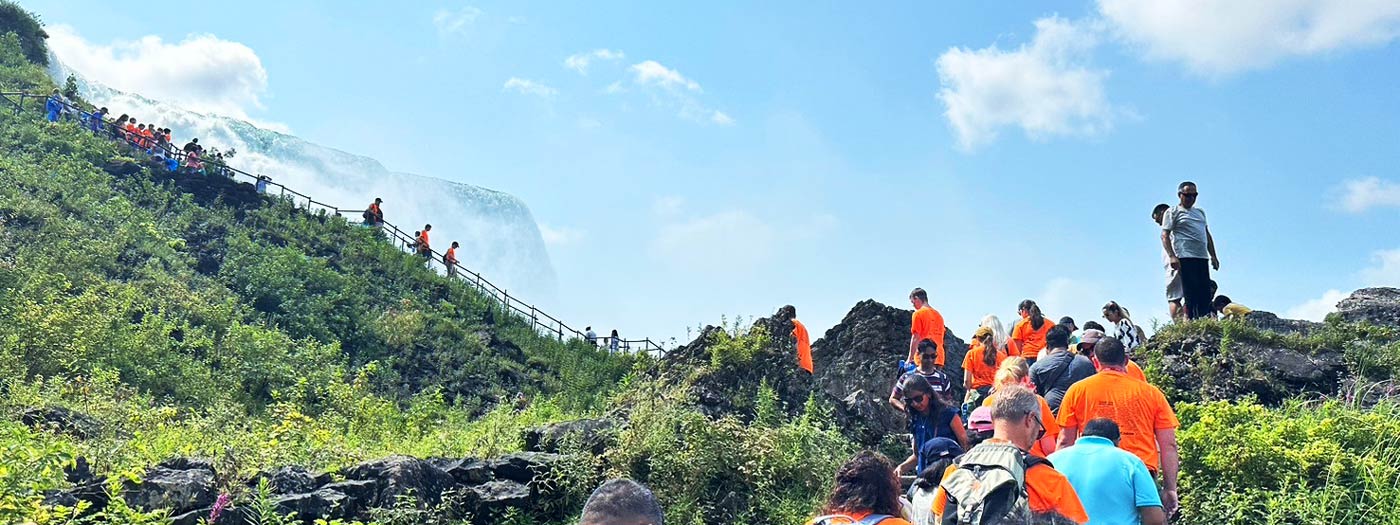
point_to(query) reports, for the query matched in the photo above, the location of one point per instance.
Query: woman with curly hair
(866, 493)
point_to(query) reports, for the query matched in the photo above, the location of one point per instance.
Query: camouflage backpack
(989, 486)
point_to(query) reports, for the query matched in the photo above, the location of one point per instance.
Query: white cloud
(455, 21)
(668, 87)
(1316, 309)
(529, 87)
(1385, 270)
(1360, 195)
(561, 236)
(652, 73)
(1216, 37)
(581, 61)
(202, 72)
(1043, 87)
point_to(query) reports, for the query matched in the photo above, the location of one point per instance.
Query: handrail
(407, 242)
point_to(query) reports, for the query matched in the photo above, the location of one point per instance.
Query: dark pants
(1195, 286)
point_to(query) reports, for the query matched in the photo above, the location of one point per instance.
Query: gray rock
(1377, 306)
(62, 420)
(501, 494)
(1273, 323)
(593, 435)
(180, 491)
(396, 476)
(359, 496)
(524, 467)
(93, 491)
(290, 480)
(324, 503)
(467, 471)
(1201, 369)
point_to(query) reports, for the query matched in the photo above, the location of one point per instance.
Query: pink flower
(219, 506)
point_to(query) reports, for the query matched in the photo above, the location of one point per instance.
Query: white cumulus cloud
(1316, 309)
(203, 72)
(581, 61)
(455, 21)
(652, 73)
(1044, 87)
(529, 87)
(1385, 269)
(1215, 37)
(1360, 195)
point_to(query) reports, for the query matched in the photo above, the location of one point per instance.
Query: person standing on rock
(1190, 250)
(1142, 413)
(1174, 295)
(800, 336)
(926, 323)
(622, 502)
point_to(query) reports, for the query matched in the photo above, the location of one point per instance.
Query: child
(1229, 309)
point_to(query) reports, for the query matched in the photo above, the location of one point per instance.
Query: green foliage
(70, 87)
(30, 32)
(1302, 463)
(738, 347)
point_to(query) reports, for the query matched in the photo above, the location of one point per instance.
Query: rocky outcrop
(731, 388)
(1377, 306)
(62, 420)
(592, 435)
(466, 487)
(856, 367)
(1273, 323)
(1208, 367)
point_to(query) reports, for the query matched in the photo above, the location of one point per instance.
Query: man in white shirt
(1190, 247)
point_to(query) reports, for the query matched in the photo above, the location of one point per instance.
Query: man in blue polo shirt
(1118, 489)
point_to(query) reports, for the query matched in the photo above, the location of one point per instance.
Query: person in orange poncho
(799, 333)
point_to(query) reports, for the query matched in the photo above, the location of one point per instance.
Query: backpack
(989, 486)
(842, 519)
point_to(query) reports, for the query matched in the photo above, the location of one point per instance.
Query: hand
(1215, 263)
(1170, 503)
(1176, 263)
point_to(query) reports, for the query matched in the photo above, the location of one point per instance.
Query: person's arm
(1152, 516)
(908, 463)
(1171, 254)
(1067, 436)
(913, 347)
(1047, 444)
(1166, 443)
(959, 432)
(898, 405)
(1210, 245)
(967, 379)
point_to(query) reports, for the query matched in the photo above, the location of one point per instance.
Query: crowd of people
(1058, 423)
(155, 141)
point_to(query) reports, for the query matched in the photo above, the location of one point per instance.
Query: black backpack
(989, 486)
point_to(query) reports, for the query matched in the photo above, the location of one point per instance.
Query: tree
(70, 87)
(17, 20)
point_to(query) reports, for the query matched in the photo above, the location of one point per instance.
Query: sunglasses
(1041, 434)
(919, 399)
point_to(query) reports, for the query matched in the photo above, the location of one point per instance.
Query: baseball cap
(981, 332)
(980, 420)
(1091, 336)
(938, 448)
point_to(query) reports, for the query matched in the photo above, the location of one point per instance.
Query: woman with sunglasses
(929, 418)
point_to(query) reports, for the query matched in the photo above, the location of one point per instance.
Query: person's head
(588, 329)
(1029, 310)
(919, 397)
(979, 426)
(787, 312)
(1016, 416)
(984, 336)
(1158, 212)
(427, 227)
(614, 332)
(1088, 340)
(1109, 352)
(103, 110)
(1214, 287)
(1102, 427)
(866, 483)
(622, 502)
(1057, 338)
(140, 126)
(378, 200)
(999, 336)
(936, 454)
(1220, 302)
(918, 298)
(1093, 325)
(454, 244)
(1187, 192)
(196, 141)
(1114, 313)
(1068, 322)
(928, 354)
(1014, 370)
(123, 118)
(55, 91)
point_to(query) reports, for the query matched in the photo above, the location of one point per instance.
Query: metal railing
(540, 321)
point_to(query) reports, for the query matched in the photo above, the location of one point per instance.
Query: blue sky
(693, 161)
